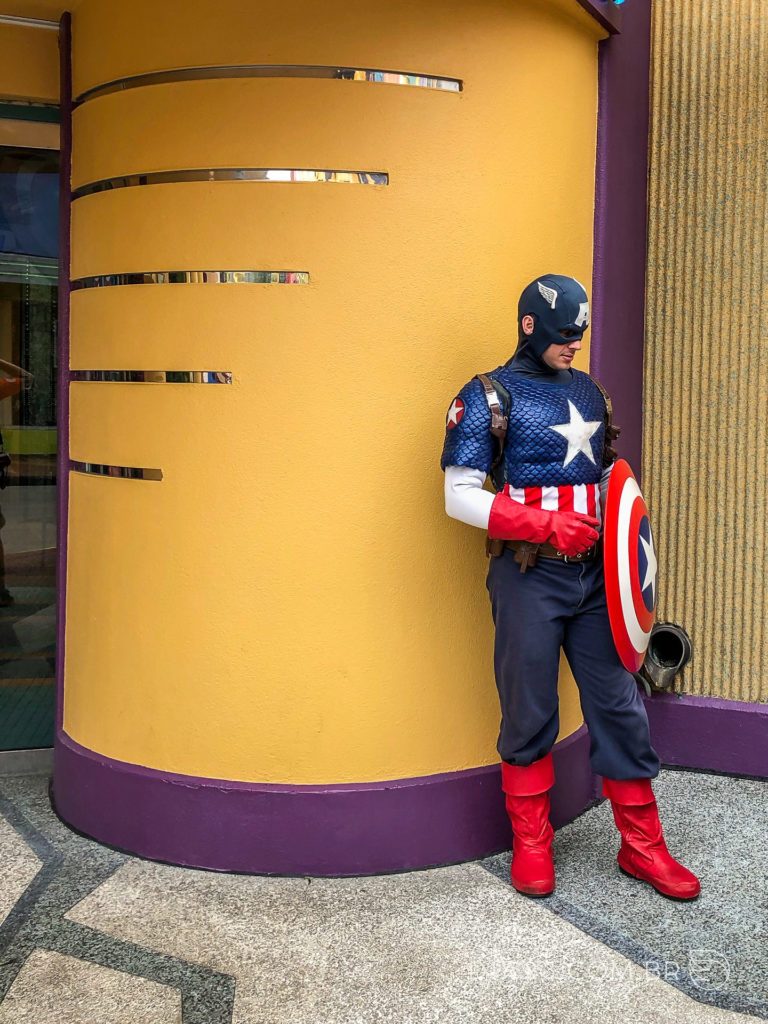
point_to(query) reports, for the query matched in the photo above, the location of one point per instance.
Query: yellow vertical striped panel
(706, 364)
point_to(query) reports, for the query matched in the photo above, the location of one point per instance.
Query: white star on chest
(577, 433)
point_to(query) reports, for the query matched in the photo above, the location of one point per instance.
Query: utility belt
(527, 554)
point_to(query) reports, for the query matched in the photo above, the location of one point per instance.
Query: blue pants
(553, 605)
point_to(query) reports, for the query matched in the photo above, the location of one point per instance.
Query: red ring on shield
(631, 608)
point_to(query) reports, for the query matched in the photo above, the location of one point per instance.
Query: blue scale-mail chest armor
(535, 455)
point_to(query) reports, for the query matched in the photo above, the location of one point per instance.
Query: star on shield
(455, 413)
(577, 433)
(651, 568)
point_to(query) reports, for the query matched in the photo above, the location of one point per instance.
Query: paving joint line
(37, 921)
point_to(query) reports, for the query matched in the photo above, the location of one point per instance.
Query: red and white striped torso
(570, 498)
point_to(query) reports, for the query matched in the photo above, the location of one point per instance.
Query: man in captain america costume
(546, 583)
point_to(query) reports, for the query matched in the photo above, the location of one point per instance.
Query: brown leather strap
(526, 554)
(494, 548)
(611, 432)
(547, 550)
(499, 421)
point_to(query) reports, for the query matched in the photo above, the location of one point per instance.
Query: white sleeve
(465, 498)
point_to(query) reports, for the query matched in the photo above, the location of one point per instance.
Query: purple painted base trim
(357, 829)
(605, 12)
(710, 733)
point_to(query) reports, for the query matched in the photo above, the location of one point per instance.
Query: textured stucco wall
(706, 361)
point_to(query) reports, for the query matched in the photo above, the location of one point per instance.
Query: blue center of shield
(644, 547)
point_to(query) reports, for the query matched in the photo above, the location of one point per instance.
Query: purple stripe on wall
(710, 733)
(606, 13)
(365, 828)
(62, 383)
(618, 299)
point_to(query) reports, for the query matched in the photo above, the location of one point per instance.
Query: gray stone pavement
(716, 947)
(89, 935)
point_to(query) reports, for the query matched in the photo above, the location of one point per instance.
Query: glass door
(28, 309)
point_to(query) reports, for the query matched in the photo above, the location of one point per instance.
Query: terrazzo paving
(97, 935)
(715, 948)
(18, 866)
(61, 990)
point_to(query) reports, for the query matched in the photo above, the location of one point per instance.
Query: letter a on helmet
(630, 566)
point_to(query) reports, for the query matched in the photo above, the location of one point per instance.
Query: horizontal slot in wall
(244, 174)
(124, 472)
(192, 277)
(273, 71)
(153, 376)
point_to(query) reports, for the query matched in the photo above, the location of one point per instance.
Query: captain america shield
(630, 566)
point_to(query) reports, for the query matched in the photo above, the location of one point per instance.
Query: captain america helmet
(551, 304)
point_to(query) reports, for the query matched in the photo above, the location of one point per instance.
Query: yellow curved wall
(290, 603)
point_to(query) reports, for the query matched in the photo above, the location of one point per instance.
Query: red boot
(643, 852)
(527, 790)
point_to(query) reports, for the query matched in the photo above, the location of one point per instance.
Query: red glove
(570, 532)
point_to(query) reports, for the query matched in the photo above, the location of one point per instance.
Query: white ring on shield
(637, 635)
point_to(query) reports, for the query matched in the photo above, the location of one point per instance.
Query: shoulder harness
(611, 432)
(499, 402)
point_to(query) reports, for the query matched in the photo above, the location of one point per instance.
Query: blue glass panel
(29, 202)
(28, 309)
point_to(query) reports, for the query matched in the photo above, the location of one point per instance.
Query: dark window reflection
(28, 298)
(29, 201)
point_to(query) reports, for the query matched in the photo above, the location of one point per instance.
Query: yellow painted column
(289, 603)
